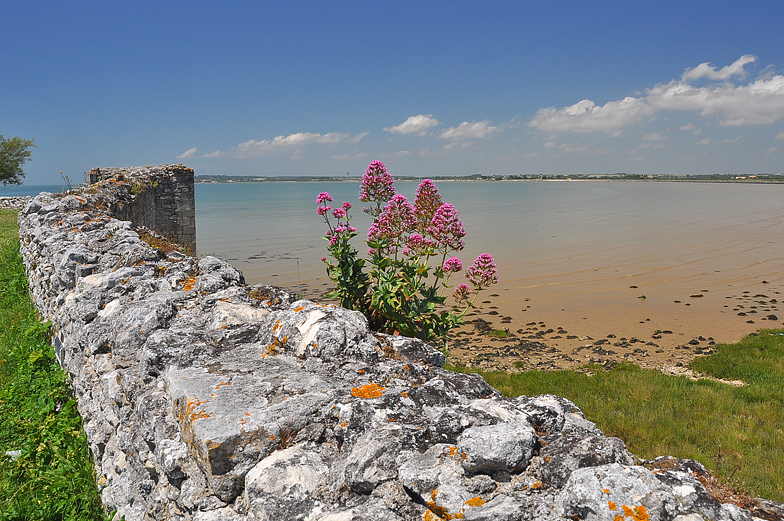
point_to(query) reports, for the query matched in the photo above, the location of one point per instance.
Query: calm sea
(550, 239)
(22, 190)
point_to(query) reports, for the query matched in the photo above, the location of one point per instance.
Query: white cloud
(705, 141)
(466, 130)
(414, 124)
(586, 116)
(653, 136)
(355, 155)
(298, 140)
(691, 128)
(780, 136)
(772, 149)
(733, 140)
(188, 153)
(760, 102)
(531, 154)
(550, 144)
(217, 153)
(706, 70)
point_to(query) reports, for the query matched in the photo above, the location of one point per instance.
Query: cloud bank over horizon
(760, 102)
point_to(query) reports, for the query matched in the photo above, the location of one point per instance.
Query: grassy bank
(736, 432)
(52, 477)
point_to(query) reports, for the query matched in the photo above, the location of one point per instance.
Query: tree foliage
(14, 152)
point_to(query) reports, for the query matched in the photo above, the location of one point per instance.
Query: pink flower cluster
(324, 197)
(426, 202)
(453, 265)
(483, 271)
(462, 293)
(396, 218)
(342, 228)
(446, 228)
(377, 187)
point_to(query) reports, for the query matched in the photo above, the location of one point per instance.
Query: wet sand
(664, 331)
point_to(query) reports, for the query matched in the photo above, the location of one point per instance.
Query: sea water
(541, 233)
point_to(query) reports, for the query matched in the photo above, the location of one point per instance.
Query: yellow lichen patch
(640, 514)
(627, 512)
(475, 502)
(537, 485)
(188, 283)
(367, 391)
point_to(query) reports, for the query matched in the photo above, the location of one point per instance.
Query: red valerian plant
(405, 288)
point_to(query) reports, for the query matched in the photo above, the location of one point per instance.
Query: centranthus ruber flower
(447, 228)
(483, 272)
(462, 293)
(453, 265)
(426, 202)
(323, 196)
(377, 187)
(395, 220)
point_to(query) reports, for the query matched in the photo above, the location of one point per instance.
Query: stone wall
(206, 399)
(13, 203)
(163, 199)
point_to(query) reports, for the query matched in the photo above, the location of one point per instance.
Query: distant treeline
(623, 176)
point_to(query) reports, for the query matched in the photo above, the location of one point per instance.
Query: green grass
(736, 432)
(53, 479)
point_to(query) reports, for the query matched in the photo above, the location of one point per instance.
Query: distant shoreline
(709, 178)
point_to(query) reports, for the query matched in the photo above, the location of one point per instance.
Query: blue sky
(430, 88)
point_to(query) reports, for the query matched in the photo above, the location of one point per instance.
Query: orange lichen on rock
(537, 485)
(272, 348)
(191, 414)
(637, 514)
(188, 283)
(475, 502)
(440, 511)
(367, 391)
(612, 505)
